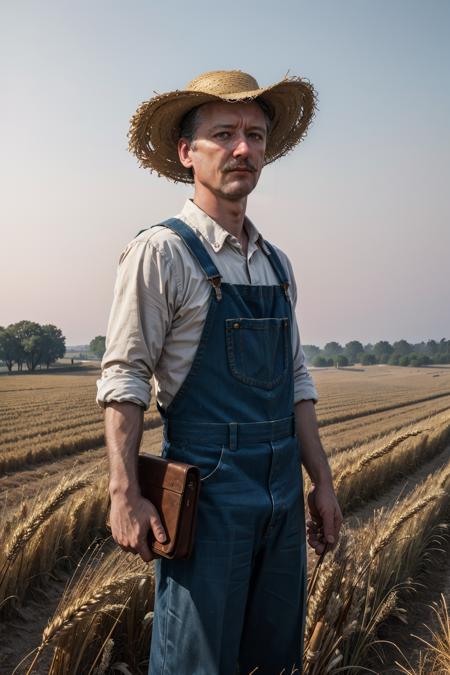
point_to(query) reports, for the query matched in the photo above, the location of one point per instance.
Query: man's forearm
(123, 433)
(313, 455)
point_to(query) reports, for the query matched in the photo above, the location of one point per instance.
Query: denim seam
(216, 468)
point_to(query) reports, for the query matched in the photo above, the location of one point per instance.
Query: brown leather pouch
(173, 488)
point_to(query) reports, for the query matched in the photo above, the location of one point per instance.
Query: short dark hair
(190, 121)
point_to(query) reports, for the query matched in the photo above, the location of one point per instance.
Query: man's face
(227, 153)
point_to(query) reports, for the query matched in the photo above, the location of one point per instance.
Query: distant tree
(432, 348)
(10, 348)
(29, 342)
(320, 362)
(53, 344)
(353, 350)
(29, 334)
(310, 352)
(394, 360)
(97, 346)
(420, 347)
(402, 347)
(382, 351)
(332, 349)
(340, 361)
(403, 360)
(369, 360)
(368, 348)
(444, 346)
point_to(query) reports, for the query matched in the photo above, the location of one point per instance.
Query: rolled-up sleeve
(304, 387)
(144, 298)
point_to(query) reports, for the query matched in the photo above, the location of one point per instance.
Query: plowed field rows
(386, 430)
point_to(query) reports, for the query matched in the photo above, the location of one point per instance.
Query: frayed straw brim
(155, 127)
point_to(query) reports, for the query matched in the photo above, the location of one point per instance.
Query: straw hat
(155, 127)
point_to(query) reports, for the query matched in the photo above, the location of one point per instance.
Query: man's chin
(237, 189)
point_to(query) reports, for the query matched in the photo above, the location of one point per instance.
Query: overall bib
(239, 602)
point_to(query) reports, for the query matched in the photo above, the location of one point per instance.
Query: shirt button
(235, 325)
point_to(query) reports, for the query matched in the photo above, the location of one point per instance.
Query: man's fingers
(157, 528)
(144, 551)
(328, 527)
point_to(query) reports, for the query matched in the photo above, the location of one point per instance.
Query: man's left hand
(326, 517)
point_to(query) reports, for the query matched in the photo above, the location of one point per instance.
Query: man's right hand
(131, 518)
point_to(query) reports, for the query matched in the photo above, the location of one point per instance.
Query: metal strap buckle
(215, 283)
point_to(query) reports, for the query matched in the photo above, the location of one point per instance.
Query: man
(206, 305)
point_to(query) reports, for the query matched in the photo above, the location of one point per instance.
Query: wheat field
(72, 602)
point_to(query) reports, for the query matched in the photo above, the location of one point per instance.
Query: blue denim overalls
(239, 602)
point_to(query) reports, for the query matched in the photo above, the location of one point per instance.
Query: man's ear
(184, 153)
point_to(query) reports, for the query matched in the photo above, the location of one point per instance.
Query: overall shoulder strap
(197, 249)
(277, 266)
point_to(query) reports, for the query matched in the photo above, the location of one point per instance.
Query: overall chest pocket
(258, 350)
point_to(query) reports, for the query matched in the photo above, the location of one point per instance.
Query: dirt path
(19, 637)
(420, 617)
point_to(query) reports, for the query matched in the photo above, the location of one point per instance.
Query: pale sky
(361, 206)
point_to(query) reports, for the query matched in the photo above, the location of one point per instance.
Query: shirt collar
(215, 234)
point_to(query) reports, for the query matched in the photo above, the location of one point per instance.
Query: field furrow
(386, 431)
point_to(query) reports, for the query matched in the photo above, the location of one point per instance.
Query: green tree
(320, 362)
(29, 335)
(444, 346)
(53, 344)
(369, 360)
(383, 351)
(97, 346)
(340, 361)
(332, 349)
(402, 347)
(432, 348)
(10, 348)
(353, 350)
(403, 360)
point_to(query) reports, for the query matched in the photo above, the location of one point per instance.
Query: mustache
(242, 164)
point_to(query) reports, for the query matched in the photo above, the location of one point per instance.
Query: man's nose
(241, 149)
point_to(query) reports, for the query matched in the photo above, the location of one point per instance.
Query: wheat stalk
(25, 531)
(400, 520)
(375, 454)
(80, 608)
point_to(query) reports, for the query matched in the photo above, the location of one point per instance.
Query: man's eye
(222, 134)
(256, 135)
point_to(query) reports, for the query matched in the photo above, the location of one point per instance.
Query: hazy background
(361, 206)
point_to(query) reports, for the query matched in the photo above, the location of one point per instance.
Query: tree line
(32, 344)
(400, 353)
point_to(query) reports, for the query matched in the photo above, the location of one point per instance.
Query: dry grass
(52, 531)
(358, 588)
(105, 616)
(109, 603)
(359, 585)
(368, 470)
(48, 416)
(434, 659)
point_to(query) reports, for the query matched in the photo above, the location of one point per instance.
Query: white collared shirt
(160, 305)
